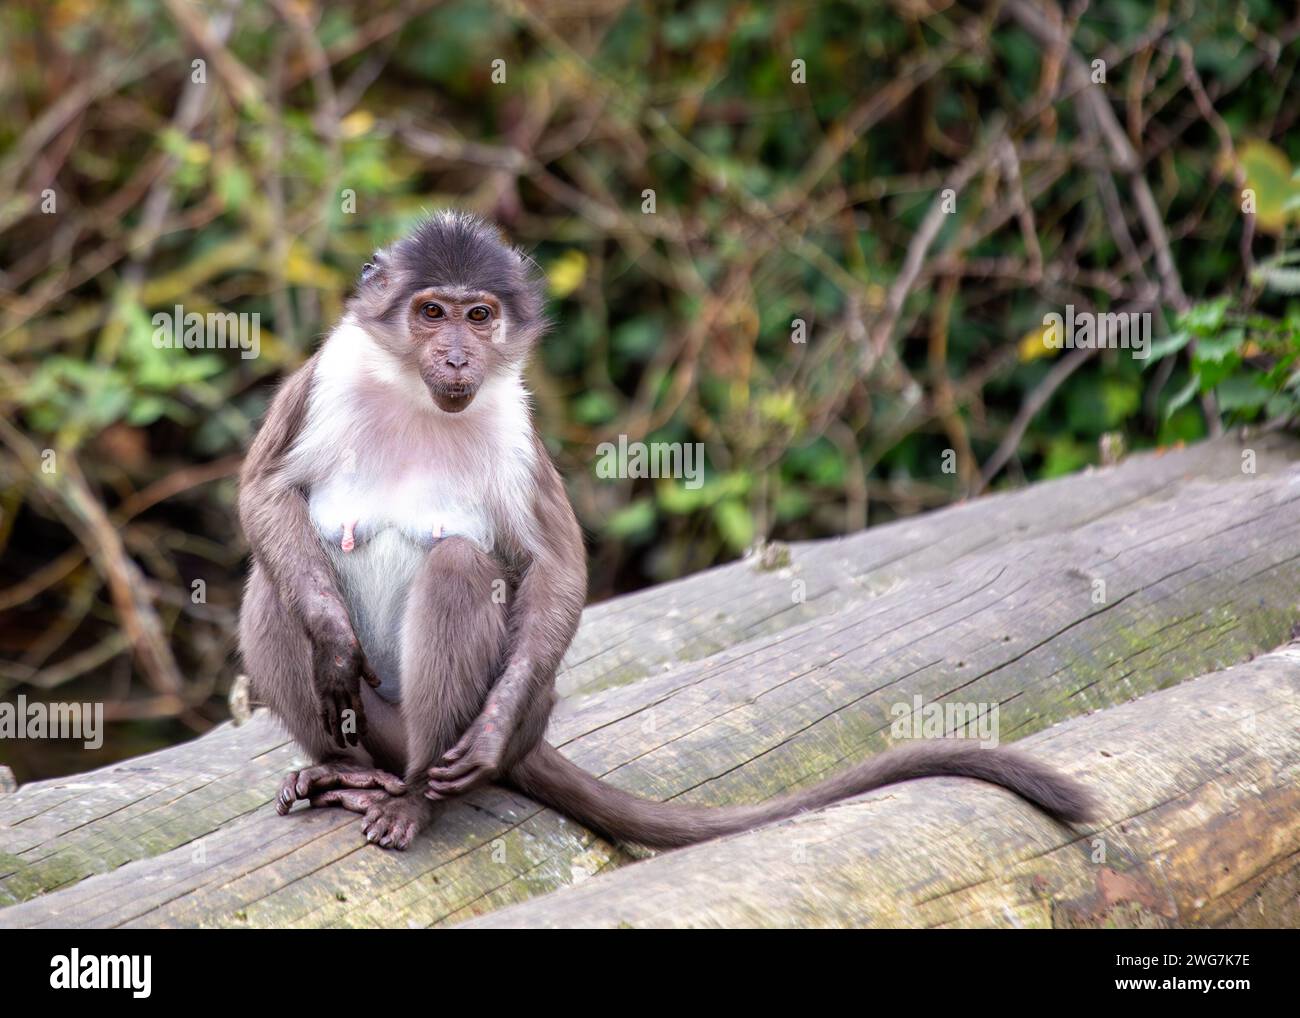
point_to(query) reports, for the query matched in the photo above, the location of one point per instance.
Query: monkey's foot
(306, 783)
(357, 800)
(395, 821)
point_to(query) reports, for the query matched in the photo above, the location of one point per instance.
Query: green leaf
(1214, 370)
(1162, 348)
(734, 523)
(1241, 393)
(675, 497)
(791, 504)
(1277, 277)
(234, 185)
(1065, 456)
(1183, 396)
(145, 410)
(636, 519)
(637, 339)
(1216, 349)
(595, 407)
(1120, 401)
(1205, 318)
(1268, 174)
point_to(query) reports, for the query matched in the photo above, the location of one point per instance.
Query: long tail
(548, 777)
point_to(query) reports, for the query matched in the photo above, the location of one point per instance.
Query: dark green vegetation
(323, 130)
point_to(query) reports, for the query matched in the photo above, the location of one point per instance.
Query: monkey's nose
(457, 359)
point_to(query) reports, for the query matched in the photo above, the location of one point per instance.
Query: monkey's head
(453, 304)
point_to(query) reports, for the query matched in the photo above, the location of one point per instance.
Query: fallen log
(71, 829)
(1200, 791)
(630, 637)
(1045, 628)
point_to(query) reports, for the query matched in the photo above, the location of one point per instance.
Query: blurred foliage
(321, 130)
(1249, 361)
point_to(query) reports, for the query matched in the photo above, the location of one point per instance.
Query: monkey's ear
(375, 271)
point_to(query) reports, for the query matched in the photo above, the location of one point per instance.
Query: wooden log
(629, 637)
(1200, 786)
(151, 805)
(1186, 585)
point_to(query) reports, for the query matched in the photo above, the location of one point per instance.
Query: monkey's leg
(453, 641)
(278, 658)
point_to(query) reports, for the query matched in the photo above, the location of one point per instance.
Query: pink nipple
(349, 542)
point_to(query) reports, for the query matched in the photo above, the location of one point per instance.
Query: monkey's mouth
(453, 397)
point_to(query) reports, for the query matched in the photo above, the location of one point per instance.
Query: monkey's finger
(332, 728)
(390, 783)
(307, 778)
(452, 755)
(355, 800)
(458, 750)
(464, 779)
(316, 778)
(359, 716)
(337, 797)
(448, 789)
(452, 771)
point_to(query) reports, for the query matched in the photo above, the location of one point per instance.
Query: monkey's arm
(273, 512)
(543, 618)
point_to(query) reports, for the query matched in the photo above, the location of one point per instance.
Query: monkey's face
(454, 304)
(456, 337)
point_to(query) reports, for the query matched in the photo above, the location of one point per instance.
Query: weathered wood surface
(1200, 786)
(629, 637)
(978, 604)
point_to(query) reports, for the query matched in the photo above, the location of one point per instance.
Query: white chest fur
(386, 473)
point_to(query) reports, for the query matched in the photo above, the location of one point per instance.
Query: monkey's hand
(339, 665)
(475, 760)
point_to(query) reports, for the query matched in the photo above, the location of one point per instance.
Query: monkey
(418, 572)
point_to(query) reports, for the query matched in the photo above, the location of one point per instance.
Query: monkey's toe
(395, 822)
(287, 795)
(306, 783)
(357, 800)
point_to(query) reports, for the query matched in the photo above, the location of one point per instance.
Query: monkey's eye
(479, 313)
(432, 310)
